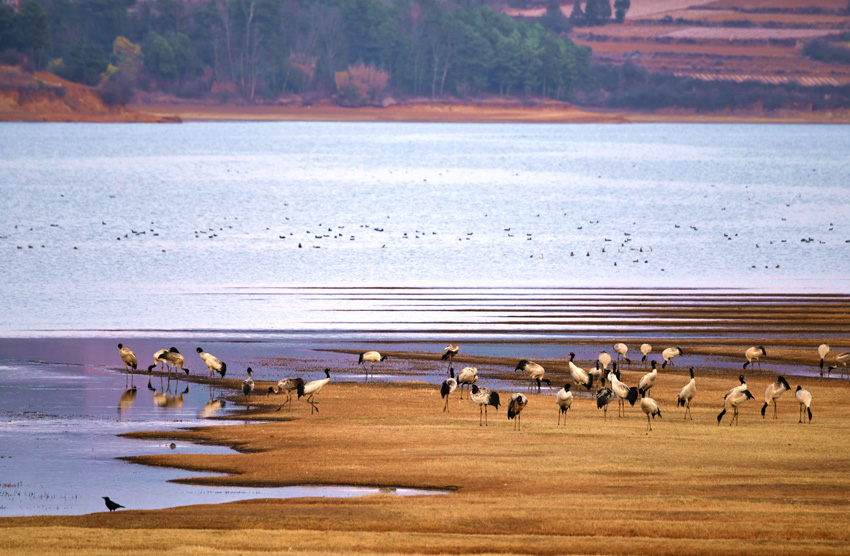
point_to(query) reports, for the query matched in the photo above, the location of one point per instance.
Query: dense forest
(356, 52)
(256, 49)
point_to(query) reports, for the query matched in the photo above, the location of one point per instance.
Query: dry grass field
(591, 487)
(758, 40)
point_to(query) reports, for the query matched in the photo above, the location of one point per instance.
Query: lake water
(267, 238)
(181, 227)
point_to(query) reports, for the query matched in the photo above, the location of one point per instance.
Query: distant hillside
(44, 97)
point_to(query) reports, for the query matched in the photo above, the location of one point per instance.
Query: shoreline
(508, 112)
(561, 480)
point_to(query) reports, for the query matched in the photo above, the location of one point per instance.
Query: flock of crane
(618, 390)
(614, 390)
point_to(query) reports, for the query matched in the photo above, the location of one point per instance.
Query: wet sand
(594, 486)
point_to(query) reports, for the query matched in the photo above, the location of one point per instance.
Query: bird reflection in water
(127, 399)
(212, 407)
(164, 398)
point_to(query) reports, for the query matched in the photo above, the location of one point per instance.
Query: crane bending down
(805, 399)
(579, 375)
(734, 399)
(467, 376)
(645, 349)
(649, 407)
(449, 353)
(287, 386)
(754, 354)
(515, 406)
(772, 393)
(621, 350)
(564, 399)
(669, 354)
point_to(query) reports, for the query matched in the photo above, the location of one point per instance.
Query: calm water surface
(168, 220)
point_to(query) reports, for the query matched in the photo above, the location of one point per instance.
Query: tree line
(261, 49)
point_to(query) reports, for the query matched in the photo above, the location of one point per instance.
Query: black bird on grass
(110, 504)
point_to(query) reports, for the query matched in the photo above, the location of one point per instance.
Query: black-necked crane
(686, 394)
(669, 354)
(287, 386)
(564, 399)
(740, 388)
(823, 350)
(841, 359)
(734, 399)
(159, 359)
(604, 396)
(449, 385)
(175, 359)
(621, 350)
(597, 373)
(515, 407)
(484, 397)
(449, 353)
(772, 393)
(467, 376)
(248, 383)
(805, 399)
(648, 380)
(579, 375)
(623, 392)
(370, 357)
(645, 349)
(314, 387)
(213, 363)
(651, 409)
(535, 372)
(604, 359)
(128, 357)
(754, 354)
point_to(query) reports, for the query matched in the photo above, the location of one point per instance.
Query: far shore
(463, 113)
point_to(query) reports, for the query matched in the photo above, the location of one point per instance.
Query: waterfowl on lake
(823, 350)
(467, 376)
(449, 353)
(535, 372)
(622, 390)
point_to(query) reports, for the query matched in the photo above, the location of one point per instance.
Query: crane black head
(328, 373)
(173, 350)
(199, 350)
(572, 355)
(120, 346)
(567, 387)
(741, 378)
(784, 382)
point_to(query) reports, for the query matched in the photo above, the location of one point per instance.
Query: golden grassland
(591, 487)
